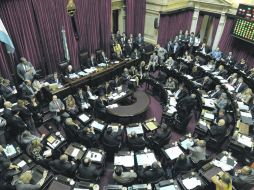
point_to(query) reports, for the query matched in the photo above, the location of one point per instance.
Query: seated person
(180, 93)
(128, 48)
(170, 63)
(88, 137)
(205, 83)
(69, 71)
(211, 65)
(35, 151)
(91, 62)
(203, 49)
(8, 91)
(27, 90)
(134, 75)
(116, 82)
(24, 181)
(57, 108)
(229, 59)
(223, 115)
(126, 77)
(26, 137)
(112, 137)
(161, 133)
(222, 181)
(216, 54)
(222, 72)
(232, 79)
(2, 131)
(7, 113)
(244, 178)
(196, 73)
(102, 57)
(72, 128)
(54, 79)
(136, 142)
(124, 177)
(215, 93)
(100, 104)
(187, 103)
(139, 40)
(170, 84)
(240, 86)
(242, 65)
(117, 49)
(135, 54)
(222, 102)
(62, 166)
(89, 94)
(153, 62)
(88, 170)
(251, 74)
(182, 165)
(198, 151)
(152, 173)
(246, 96)
(25, 70)
(218, 130)
(71, 106)
(82, 100)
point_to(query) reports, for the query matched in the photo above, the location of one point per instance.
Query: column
(194, 20)
(220, 30)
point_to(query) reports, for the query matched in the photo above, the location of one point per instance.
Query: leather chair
(83, 57)
(63, 67)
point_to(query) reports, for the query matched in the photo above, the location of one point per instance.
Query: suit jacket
(243, 182)
(161, 134)
(186, 103)
(223, 73)
(240, 87)
(136, 55)
(218, 132)
(128, 49)
(139, 41)
(27, 91)
(89, 172)
(215, 94)
(23, 71)
(100, 105)
(55, 106)
(125, 177)
(62, 167)
(197, 153)
(170, 48)
(230, 60)
(182, 166)
(52, 80)
(113, 139)
(7, 91)
(182, 94)
(7, 114)
(17, 126)
(25, 113)
(102, 59)
(242, 67)
(149, 174)
(136, 142)
(92, 62)
(80, 100)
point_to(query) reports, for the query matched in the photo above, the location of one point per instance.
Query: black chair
(181, 123)
(63, 67)
(83, 57)
(79, 178)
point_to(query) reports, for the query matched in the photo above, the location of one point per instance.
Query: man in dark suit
(216, 93)
(176, 50)
(182, 164)
(17, 125)
(9, 91)
(152, 173)
(242, 65)
(203, 49)
(139, 41)
(100, 104)
(54, 79)
(7, 113)
(82, 100)
(103, 58)
(161, 133)
(91, 62)
(136, 142)
(25, 70)
(136, 54)
(128, 48)
(124, 177)
(170, 48)
(88, 170)
(218, 130)
(186, 104)
(63, 166)
(113, 138)
(229, 59)
(222, 72)
(205, 83)
(180, 93)
(88, 137)
(27, 90)
(244, 179)
(241, 86)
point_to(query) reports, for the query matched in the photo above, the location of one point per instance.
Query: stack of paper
(83, 117)
(191, 183)
(97, 125)
(173, 152)
(187, 143)
(146, 159)
(247, 141)
(112, 106)
(209, 116)
(82, 73)
(172, 101)
(137, 130)
(242, 106)
(126, 161)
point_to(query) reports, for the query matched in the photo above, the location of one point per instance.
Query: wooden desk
(129, 112)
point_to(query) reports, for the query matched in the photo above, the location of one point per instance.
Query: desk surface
(140, 106)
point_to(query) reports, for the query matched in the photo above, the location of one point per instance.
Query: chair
(182, 123)
(63, 67)
(98, 53)
(110, 149)
(70, 135)
(83, 57)
(78, 177)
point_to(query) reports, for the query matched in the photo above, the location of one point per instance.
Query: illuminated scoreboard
(244, 29)
(245, 11)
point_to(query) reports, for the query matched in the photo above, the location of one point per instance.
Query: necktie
(58, 106)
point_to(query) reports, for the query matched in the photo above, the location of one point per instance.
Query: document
(209, 116)
(170, 187)
(94, 156)
(151, 125)
(21, 164)
(97, 125)
(83, 117)
(171, 110)
(209, 103)
(188, 77)
(75, 152)
(126, 161)
(229, 87)
(187, 143)
(112, 106)
(173, 152)
(146, 159)
(172, 101)
(191, 183)
(247, 141)
(82, 73)
(9, 150)
(138, 130)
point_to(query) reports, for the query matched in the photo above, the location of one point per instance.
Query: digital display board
(245, 11)
(244, 29)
